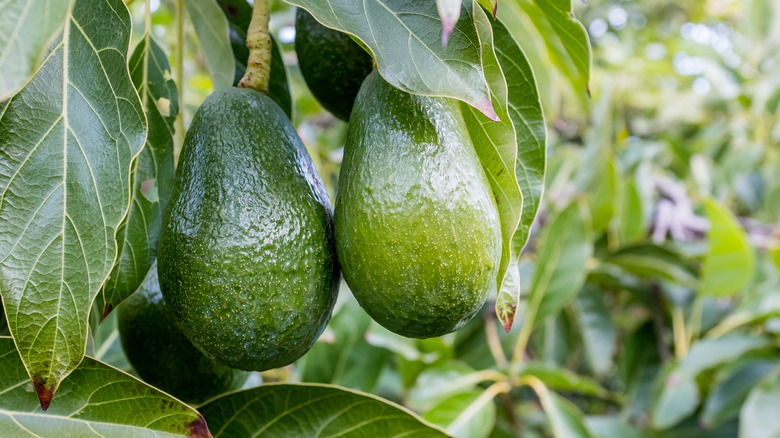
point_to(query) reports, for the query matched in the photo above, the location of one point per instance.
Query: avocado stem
(258, 41)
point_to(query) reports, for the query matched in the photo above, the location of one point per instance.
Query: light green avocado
(417, 228)
(247, 258)
(161, 354)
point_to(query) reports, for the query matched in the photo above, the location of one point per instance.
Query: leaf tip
(45, 392)
(199, 429)
(486, 108)
(495, 10)
(107, 308)
(447, 26)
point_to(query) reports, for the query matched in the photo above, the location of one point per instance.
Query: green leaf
(725, 401)
(408, 54)
(496, 146)
(68, 140)
(490, 5)
(632, 227)
(26, 26)
(598, 332)
(730, 261)
(152, 176)
(96, 400)
(565, 245)
(285, 410)
(566, 420)
(211, 27)
(566, 39)
(606, 426)
(466, 415)
(680, 395)
(509, 296)
(562, 379)
(342, 356)
(436, 384)
(775, 252)
(651, 261)
(758, 417)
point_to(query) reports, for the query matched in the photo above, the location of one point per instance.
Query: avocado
(332, 64)
(247, 258)
(417, 228)
(161, 354)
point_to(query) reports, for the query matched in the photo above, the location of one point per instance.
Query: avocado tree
(326, 218)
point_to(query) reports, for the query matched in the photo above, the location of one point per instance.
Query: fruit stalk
(258, 41)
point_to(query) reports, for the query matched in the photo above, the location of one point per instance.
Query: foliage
(640, 223)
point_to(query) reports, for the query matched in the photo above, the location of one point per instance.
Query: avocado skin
(417, 228)
(162, 355)
(332, 64)
(247, 258)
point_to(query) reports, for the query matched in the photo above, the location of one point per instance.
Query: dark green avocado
(417, 228)
(161, 354)
(247, 257)
(332, 64)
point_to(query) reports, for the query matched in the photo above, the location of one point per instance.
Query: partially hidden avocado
(161, 354)
(332, 64)
(417, 228)
(247, 257)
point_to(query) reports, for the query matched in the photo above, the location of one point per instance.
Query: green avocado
(417, 228)
(332, 64)
(162, 355)
(247, 257)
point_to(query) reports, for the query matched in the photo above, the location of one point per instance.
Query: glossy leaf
(565, 245)
(730, 261)
(465, 415)
(95, 401)
(211, 27)
(68, 140)
(152, 176)
(25, 28)
(566, 39)
(284, 410)
(725, 401)
(439, 382)
(680, 395)
(566, 420)
(509, 296)
(596, 328)
(758, 417)
(408, 54)
(496, 146)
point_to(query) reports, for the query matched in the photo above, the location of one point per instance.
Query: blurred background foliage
(652, 281)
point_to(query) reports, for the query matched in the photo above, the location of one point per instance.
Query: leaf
(775, 253)
(509, 295)
(239, 14)
(651, 261)
(342, 356)
(680, 395)
(562, 379)
(67, 141)
(632, 227)
(730, 262)
(465, 415)
(211, 27)
(607, 426)
(152, 176)
(285, 410)
(490, 5)
(565, 244)
(96, 400)
(407, 53)
(566, 39)
(436, 384)
(598, 331)
(449, 12)
(26, 26)
(566, 420)
(496, 146)
(758, 417)
(727, 398)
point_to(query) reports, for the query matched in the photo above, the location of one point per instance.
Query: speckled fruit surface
(247, 259)
(417, 229)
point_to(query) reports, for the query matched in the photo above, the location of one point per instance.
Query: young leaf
(96, 400)
(490, 5)
(509, 295)
(496, 146)
(68, 140)
(407, 53)
(730, 262)
(758, 417)
(449, 12)
(565, 244)
(211, 27)
(152, 176)
(283, 410)
(25, 28)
